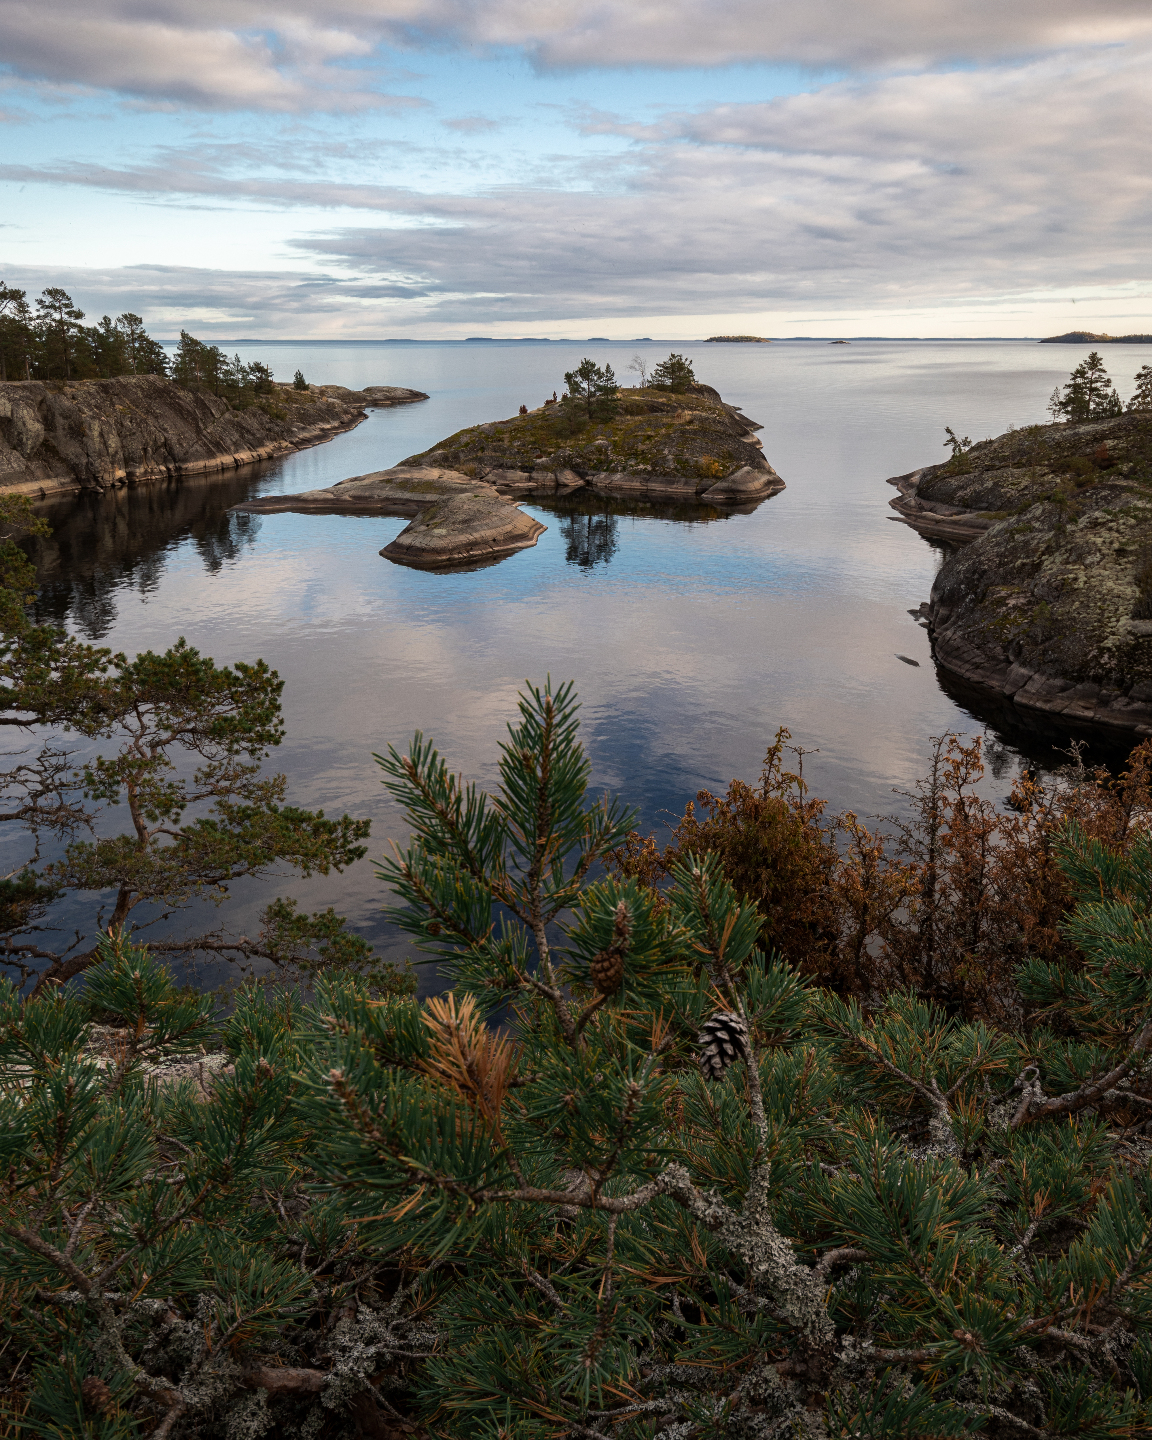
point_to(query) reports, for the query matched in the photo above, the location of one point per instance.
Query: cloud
(900, 190)
(248, 54)
(908, 190)
(473, 124)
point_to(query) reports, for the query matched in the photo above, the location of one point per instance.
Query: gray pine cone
(722, 1041)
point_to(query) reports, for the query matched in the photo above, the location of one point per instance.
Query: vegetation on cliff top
(50, 343)
(660, 430)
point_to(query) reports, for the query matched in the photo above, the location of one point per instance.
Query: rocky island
(1047, 599)
(653, 445)
(61, 437)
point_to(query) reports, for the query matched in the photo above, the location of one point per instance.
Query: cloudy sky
(442, 168)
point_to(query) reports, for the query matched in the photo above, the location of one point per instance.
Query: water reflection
(590, 539)
(122, 540)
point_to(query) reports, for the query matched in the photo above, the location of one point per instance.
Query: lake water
(690, 641)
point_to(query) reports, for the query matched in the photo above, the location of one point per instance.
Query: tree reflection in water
(101, 544)
(590, 539)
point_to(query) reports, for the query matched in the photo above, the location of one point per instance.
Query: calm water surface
(690, 640)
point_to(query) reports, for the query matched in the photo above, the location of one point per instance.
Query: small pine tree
(1142, 395)
(592, 387)
(960, 444)
(675, 374)
(672, 1193)
(1088, 394)
(298, 381)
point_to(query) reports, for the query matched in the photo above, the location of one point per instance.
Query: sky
(435, 169)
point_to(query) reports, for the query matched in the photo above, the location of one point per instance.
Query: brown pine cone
(96, 1395)
(722, 1041)
(608, 966)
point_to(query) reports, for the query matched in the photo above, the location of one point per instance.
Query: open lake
(690, 640)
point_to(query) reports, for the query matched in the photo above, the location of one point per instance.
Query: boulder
(463, 529)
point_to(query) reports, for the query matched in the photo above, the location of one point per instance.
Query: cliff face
(61, 437)
(1049, 601)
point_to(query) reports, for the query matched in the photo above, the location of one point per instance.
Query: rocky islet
(1047, 598)
(655, 446)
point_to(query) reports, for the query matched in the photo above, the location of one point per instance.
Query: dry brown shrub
(945, 901)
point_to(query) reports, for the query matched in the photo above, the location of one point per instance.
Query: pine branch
(1090, 1093)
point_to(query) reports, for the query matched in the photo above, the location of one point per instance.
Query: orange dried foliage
(945, 901)
(465, 1055)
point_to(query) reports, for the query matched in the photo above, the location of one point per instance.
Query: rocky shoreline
(60, 438)
(684, 448)
(1047, 599)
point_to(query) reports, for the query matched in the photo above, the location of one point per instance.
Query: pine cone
(96, 1395)
(608, 966)
(723, 1040)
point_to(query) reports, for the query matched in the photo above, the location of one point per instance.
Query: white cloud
(903, 191)
(248, 54)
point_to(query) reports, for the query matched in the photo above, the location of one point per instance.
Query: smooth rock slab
(463, 530)
(385, 492)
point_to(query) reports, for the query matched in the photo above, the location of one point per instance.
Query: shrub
(672, 1193)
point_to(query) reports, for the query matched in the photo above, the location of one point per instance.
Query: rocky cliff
(1048, 598)
(657, 446)
(63, 437)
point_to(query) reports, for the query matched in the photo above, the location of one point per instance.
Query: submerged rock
(1048, 598)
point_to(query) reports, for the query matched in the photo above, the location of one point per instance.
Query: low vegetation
(669, 426)
(676, 1192)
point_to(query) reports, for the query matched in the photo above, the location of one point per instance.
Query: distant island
(737, 340)
(1085, 337)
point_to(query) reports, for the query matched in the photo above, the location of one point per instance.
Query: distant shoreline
(778, 340)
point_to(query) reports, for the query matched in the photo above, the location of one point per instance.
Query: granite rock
(59, 437)
(1047, 598)
(464, 529)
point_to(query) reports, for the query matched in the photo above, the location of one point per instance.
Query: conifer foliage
(521, 1209)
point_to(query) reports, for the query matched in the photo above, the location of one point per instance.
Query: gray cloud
(473, 124)
(248, 54)
(906, 190)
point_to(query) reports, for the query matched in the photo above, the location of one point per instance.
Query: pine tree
(183, 742)
(15, 332)
(889, 1222)
(675, 374)
(60, 319)
(1088, 394)
(1142, 395)
(592, 387)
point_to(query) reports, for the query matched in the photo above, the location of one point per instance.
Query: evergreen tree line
(47, 340)
(1089, 393)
